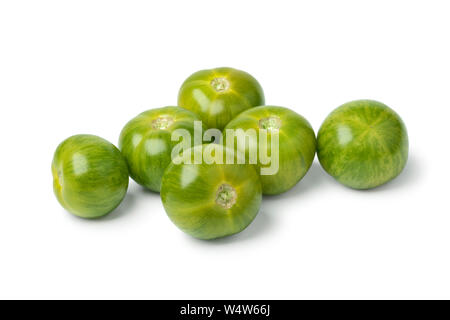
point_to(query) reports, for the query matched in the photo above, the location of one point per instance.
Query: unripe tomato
(218, 95)
(281, 142)
(90, 176)
(363, 144)
(146, 142)
(207, 199)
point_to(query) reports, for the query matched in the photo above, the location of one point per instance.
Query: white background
(69, 67)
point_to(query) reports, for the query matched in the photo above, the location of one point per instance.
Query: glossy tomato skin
(209, 201)
(296, 148)
(146, 142)
(90, 176)
(363, 144)
(218, 95)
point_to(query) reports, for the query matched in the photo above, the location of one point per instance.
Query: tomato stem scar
(220, 84)
(162, 123)
(270, 123)
(226, 196)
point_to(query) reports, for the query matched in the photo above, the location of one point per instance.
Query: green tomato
(218, 95)
(288, 160)
(146, 142)
(210, 200)
(90, 176)
(363, 144)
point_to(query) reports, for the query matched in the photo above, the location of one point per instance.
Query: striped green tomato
(290, 158)
(218, 95)
(90, 176)
(208, 199)
(146, 142)
(363, 144)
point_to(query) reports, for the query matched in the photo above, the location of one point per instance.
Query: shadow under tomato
(127, 205)
(259, 227)
(314, 179)
(409, 176)
(317, 178)
(146, 191)
(124, 207)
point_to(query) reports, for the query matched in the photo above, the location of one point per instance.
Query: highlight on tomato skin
(290, 146)
(90, 176)
(363, 144)
(146, 142)
(210, 200)
(218, 95)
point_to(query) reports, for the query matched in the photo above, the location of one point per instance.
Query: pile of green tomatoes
(214, 156)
